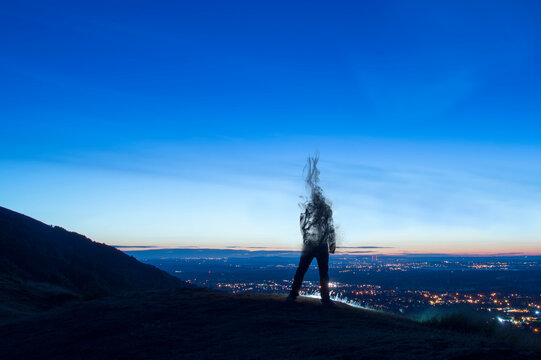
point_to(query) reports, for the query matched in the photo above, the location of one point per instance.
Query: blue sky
(188, 123)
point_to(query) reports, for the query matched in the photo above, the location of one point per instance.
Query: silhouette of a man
(318, 235)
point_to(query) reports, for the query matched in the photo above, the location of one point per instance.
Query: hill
(201, 324)
(123, 311)
(42, 266)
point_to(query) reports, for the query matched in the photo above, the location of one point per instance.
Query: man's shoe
(328, 303)
(291, 299)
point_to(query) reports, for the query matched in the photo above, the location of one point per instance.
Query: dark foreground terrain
(201, 324)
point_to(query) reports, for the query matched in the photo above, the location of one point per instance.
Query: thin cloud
(367, 247)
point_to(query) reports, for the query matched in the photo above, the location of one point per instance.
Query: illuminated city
(506, 288)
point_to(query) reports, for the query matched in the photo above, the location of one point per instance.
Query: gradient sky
(186, 123)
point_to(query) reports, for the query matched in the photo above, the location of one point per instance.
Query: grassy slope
(188, 323)
(43, 266)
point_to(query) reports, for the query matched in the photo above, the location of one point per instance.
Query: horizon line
(137, 248)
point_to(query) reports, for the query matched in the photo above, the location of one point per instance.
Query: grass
(468, 321)
(202, 324)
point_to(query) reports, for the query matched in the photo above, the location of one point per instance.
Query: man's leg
(304, 263)
(323, 266)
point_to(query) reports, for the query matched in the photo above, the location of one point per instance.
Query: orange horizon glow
(368, 252)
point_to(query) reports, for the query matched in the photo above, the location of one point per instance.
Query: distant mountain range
(42, 266)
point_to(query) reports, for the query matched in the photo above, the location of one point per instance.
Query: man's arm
(331, 237)
(303, 221)
(304, 225)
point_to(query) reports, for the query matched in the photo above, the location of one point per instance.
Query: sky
(185, 123)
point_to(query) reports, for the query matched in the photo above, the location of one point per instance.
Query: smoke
(312, 174)
(316, 219)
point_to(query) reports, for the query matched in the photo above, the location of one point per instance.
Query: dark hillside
(42, 265)
(199, 324)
